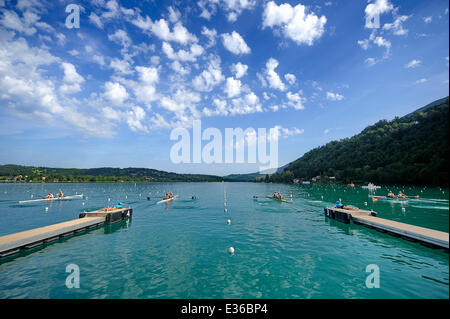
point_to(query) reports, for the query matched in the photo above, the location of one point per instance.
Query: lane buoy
(231, 250)
(229, 221)
(225, 210)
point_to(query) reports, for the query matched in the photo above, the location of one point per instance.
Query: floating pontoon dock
(11, 244)
(427, 237)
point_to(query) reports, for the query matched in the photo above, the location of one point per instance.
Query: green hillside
(413, 149)
(103, 174)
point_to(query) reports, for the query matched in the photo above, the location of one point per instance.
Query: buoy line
(231, 248)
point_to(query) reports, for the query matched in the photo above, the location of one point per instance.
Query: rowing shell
(280, 200)
(49, 199)
(395, 198)
(167, 200)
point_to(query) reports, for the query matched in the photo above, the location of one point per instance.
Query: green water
(180, 249)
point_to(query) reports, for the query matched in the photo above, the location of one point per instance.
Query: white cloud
(290, 78)
(239, 69)
(71, 78)
(162, 30)
(179, 69)
(413, 64)
(235, 43)
(115, 93)
(334, 96)
(174, 15)
(211, 35)
(365, 44)
(232, 87)
(374, 10)
(26, 91)
(121, 66)
(11, 20)
(121, 37)
(295, 22)
(95, 19)
(183, 55)
(233, 8)
(397, 26)
(428, 19)
(210, 77)
(371, 61)
(295, 100)
(272, 77)
(422, 80)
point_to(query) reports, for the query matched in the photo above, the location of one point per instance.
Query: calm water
(179, 250)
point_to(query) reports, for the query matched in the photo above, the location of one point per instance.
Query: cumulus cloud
(428, 19)
(232, 87)
(210, 77)
(183, 55)
(211, 34)
(397, 26)
(115, 93)
(295, 22)
(413, 64)
(235, 43)
(334, 96)
(239, 69)
(161, 29)
(295, 100)
(28, 93)
(233, 8)
(272, 77)
(290, 78)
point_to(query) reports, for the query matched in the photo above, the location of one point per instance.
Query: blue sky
(109, 92)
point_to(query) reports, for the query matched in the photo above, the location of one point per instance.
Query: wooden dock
(11, 244)
(427, 237)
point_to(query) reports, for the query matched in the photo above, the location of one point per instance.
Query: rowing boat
(394, 198)
(167, 200)
(50, 199)
(280, 200)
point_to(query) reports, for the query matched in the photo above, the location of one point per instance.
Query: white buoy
(231, 250)
(403, 209)
(225, 210)
(83, 203)
(365, 203)
(225, 204)
(46, 208)
(229, 221)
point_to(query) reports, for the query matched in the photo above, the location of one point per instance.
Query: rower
(401, 195)
(60, 194)
(50, 195)
(119, 205)
(339, 205)
(391, 195)
(167, 196)
(171, 195)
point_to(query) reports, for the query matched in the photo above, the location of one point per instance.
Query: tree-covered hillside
(103, 174)
(413, 149)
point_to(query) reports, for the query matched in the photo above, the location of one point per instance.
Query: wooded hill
(412, 149)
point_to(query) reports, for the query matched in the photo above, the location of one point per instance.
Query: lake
(180, 249)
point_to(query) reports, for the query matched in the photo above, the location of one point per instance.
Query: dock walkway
(11, 244)
(428, 237)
